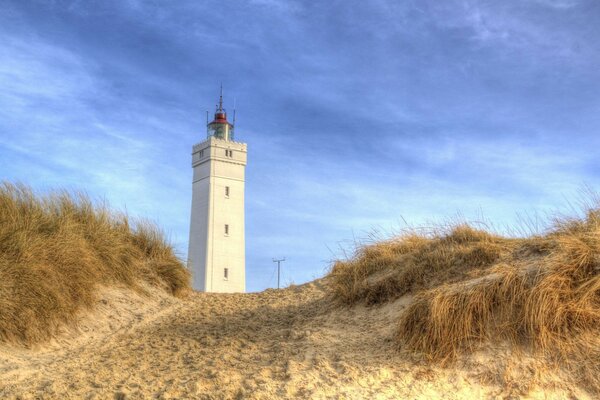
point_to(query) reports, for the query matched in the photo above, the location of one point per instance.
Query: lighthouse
(216, 253)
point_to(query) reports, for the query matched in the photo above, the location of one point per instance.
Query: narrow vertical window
(226, 229)
(226, 273)
(226, 191)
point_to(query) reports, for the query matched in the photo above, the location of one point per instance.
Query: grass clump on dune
(470, 287)
(55, 251)
(390, 269)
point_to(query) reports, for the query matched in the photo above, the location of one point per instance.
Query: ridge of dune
(116, 310)
(290, 343)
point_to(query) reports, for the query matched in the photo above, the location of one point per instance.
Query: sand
(291, 343)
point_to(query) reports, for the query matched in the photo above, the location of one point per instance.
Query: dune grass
(57, 249)
(392, 268)
(469, 288)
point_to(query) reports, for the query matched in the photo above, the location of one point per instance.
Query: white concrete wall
(218, 164)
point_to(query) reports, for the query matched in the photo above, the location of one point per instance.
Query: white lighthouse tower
(217, 254)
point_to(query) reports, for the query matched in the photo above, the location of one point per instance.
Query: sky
(361, 117)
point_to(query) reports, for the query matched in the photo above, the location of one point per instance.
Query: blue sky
(359, 116)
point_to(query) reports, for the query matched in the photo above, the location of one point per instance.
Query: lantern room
(220, 128)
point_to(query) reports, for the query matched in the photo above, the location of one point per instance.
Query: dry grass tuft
(55, 251)
(541, 293)
(390, 269)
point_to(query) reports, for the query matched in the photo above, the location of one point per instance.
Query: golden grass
(540, 294)
(56, 250)
(392, 268)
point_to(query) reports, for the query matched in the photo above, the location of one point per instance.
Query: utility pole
(278, 261)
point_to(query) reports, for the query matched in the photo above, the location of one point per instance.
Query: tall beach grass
(470, 288)
(57, 249)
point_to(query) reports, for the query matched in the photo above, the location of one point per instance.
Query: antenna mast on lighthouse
(221, 99)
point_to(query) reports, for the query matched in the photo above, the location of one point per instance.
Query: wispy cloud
(50, 120)
(560, 4)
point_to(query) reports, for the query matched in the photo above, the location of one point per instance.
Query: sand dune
(291, 343)
(451, 313)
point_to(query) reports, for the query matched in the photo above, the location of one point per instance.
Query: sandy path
(291, 343)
